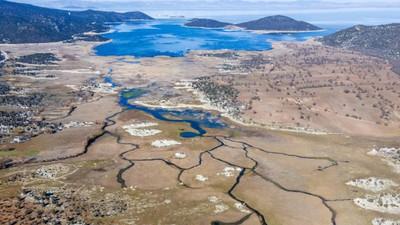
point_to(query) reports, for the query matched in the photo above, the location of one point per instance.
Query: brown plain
(300, 176)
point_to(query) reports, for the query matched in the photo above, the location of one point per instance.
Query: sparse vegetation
(381, 41)
(38, 58)
(220, 95)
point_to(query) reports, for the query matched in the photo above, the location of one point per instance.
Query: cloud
(121, 5)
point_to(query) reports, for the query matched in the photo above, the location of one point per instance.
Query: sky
(369, 12)
(122, 5)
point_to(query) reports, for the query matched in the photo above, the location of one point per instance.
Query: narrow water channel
(198, 119)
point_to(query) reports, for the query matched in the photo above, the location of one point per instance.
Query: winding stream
(197, 120)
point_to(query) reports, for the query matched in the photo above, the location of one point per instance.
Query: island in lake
(270, 24)
(206, 23)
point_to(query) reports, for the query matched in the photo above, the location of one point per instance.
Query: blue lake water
(167, 37)
(197, 119)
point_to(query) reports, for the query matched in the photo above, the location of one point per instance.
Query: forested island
(271, 23)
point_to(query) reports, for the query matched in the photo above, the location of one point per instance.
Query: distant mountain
(77, 8)
(207, 23)
(271, 23)
(23, 23)
(380, 41)
(73, 7)
(102, 17)
(278, 23)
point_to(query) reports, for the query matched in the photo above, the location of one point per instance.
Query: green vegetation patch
(18, 153)
(134, 93)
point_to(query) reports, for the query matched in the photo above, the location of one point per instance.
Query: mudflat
(295, 145)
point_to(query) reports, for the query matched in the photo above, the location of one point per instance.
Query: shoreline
(222, 29)
(207, 106)
(243, 123)
(234, 28)
(208, 28)
(283, 31)
(92, 33)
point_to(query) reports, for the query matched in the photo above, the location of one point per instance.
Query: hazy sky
(333, 13)
(222, 0)
(317, 11)
(230, 3)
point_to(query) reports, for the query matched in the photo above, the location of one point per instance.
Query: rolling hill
(381, 41)
(278, 23)
(270, 23)
(207, 23)
(23, 23)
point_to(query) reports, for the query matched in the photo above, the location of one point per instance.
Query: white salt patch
(373, 184)
(97, 88)
(385, 203)
(220, 208)
(242, 208)
(74, 124)
(180, 155)
(53, 171)
(381, 221)
(164, 143)
(201, 178)
(143, 132)
(104, 88)
(214, 199)
(140, 125)
(134, 129)
(229, 171)
(390, 155)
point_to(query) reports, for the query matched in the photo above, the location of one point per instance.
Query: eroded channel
(162, 114)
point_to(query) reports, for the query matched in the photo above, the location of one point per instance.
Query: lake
(168, 37)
